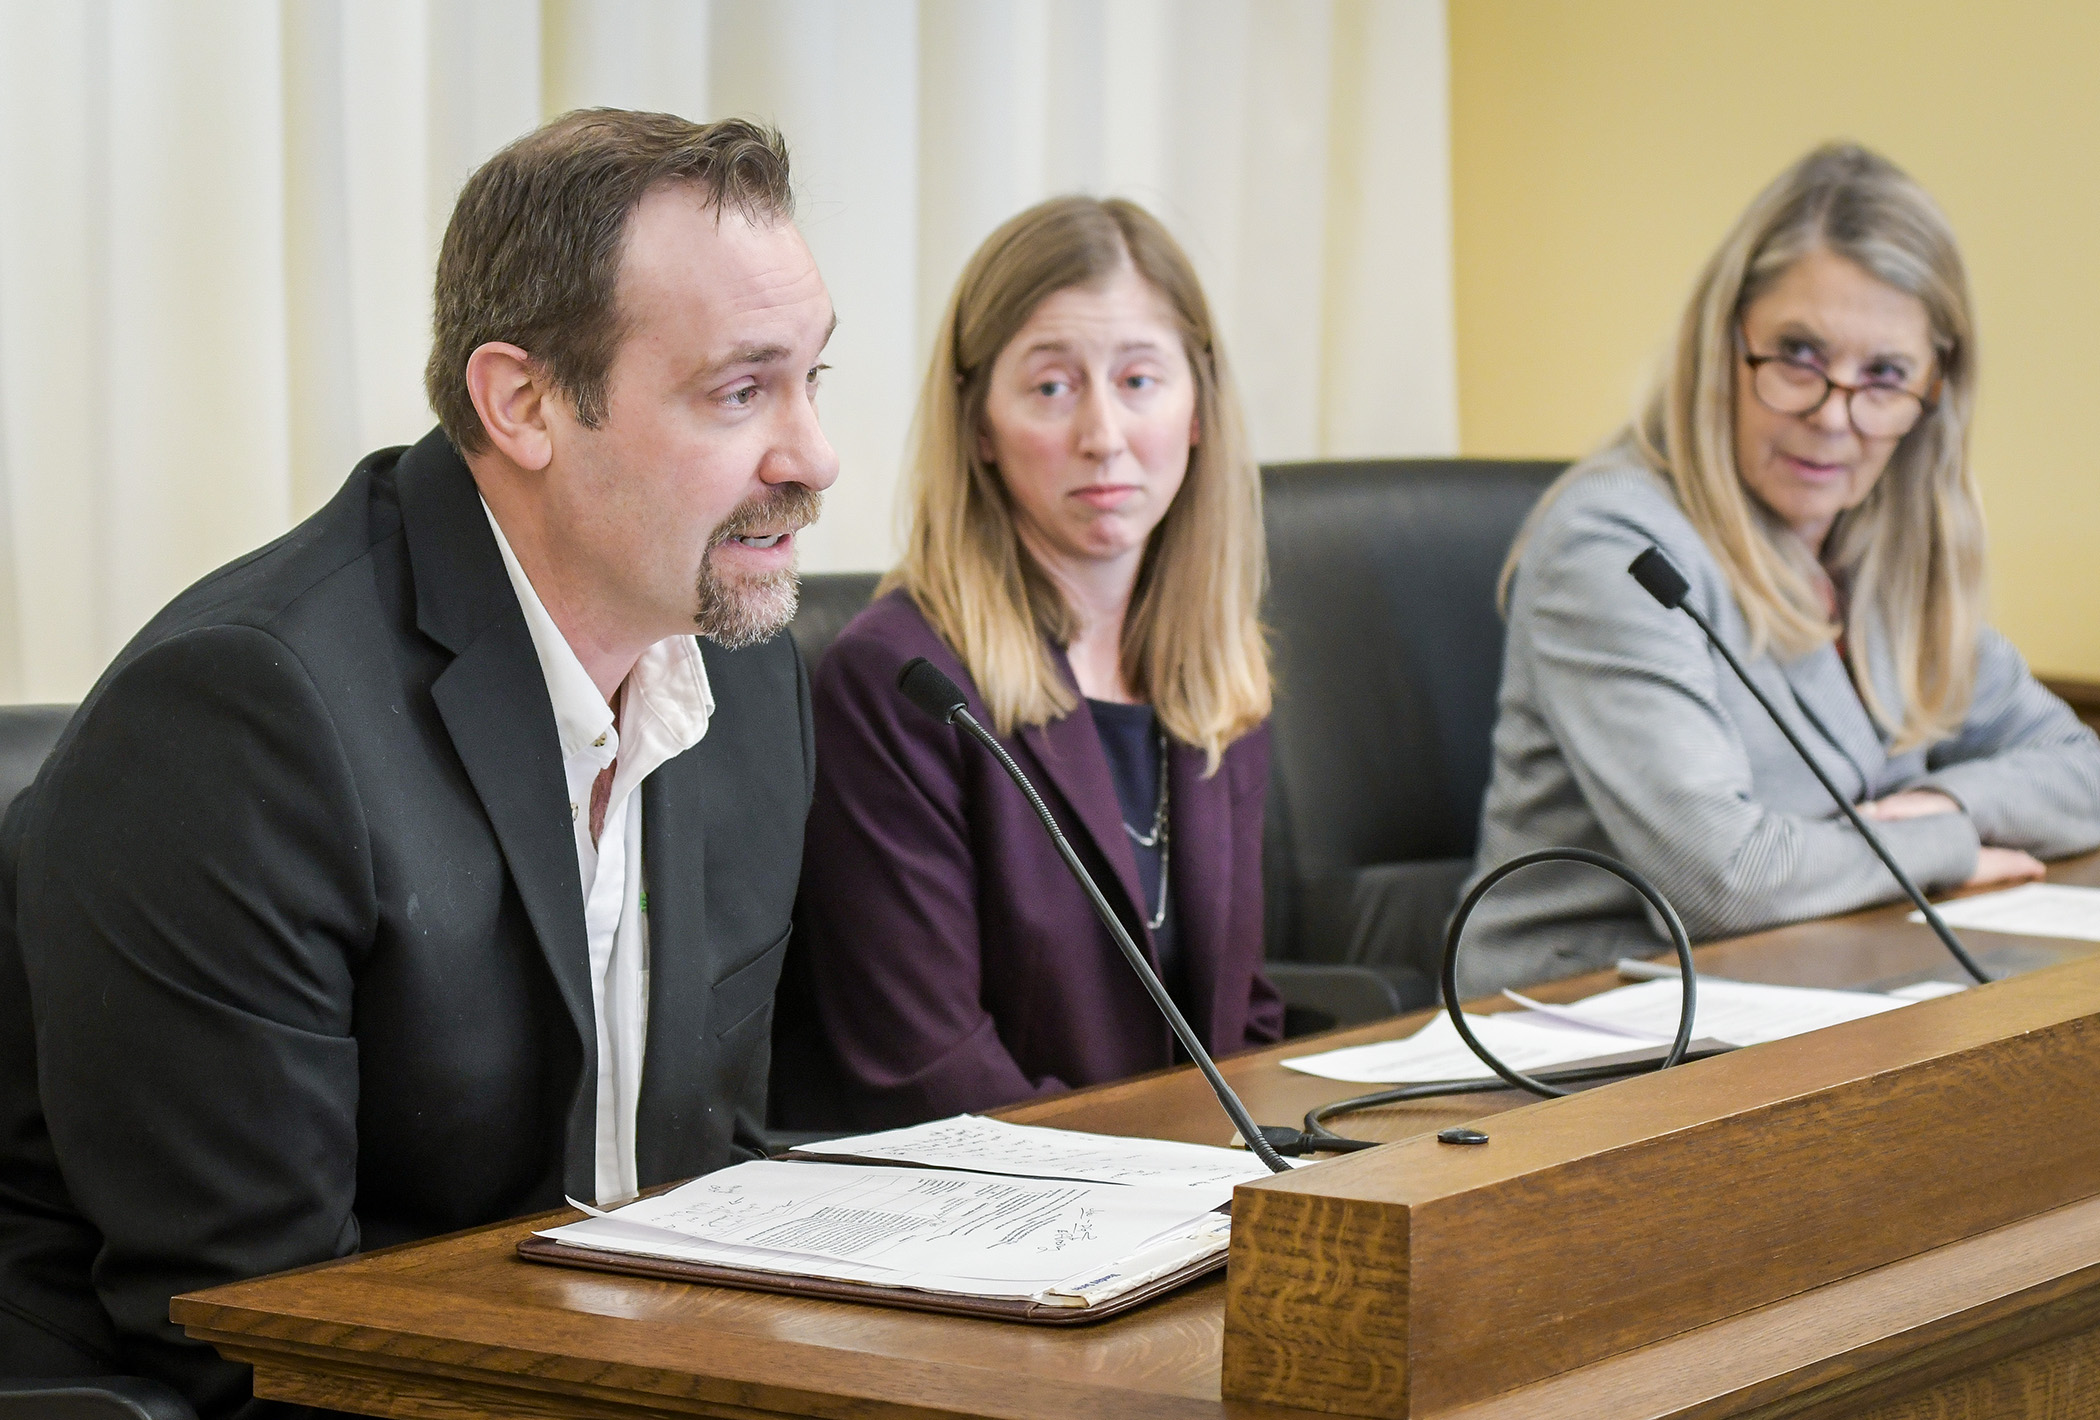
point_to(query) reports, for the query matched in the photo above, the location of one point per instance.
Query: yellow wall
(1601, 147)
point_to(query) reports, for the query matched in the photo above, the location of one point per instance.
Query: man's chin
(746, 611)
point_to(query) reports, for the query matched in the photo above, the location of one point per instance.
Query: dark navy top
(1130, 738)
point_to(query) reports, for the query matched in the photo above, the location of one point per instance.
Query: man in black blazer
(298, 961)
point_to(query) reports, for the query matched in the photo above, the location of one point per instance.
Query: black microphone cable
(1318, 1137)
(1659, 575)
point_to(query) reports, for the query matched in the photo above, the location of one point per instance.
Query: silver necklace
(1157, 838)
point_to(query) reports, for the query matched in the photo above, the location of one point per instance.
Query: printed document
(981, 1145)
(973, 1234)
(2030, 910)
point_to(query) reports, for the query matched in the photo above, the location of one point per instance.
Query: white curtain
(218, 217)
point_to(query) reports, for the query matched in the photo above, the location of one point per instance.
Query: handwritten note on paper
(962, 1228)
(2030, 910)
(981, 1145)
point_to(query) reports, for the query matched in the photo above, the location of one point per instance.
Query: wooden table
(459, 1326)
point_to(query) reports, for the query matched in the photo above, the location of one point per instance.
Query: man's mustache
(784, 508)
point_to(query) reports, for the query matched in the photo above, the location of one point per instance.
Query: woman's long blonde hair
(1192, 639)
(1912, 553)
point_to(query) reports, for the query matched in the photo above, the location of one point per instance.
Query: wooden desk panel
(459, 1326)
(370, 1333)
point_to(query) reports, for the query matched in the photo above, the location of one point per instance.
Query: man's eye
(744, 396)
(816, 375)
(1051, 389)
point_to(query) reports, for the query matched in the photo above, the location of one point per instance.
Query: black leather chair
(1388, 653)
(94, 1398)
(27, 733)
(829, 601)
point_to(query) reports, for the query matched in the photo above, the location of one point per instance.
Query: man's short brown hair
(532, 253)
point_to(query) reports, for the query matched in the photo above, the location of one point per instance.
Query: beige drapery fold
(217, 223)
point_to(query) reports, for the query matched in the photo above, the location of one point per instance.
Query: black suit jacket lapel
(681, 975)
(493, 700)
(722, 844)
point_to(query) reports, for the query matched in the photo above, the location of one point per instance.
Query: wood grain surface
(458, 1326)
(1664, 1203)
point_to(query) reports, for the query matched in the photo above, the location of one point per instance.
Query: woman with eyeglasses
(1804, 461)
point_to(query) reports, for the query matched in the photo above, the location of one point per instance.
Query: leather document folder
(910, 1298)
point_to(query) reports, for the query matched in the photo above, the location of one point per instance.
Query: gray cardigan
(1622, 731)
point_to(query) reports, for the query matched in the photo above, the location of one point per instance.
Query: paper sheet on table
(1610, 1023)
(2030, 910)
(1927, 990)
(1520, 1039)
(842, 1220)
(981, 1145)
(1738, 1012)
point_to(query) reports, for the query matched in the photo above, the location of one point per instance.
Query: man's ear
(512, 396)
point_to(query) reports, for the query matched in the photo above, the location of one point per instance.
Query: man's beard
(735, 614)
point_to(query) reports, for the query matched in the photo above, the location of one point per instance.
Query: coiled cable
(1318, 1138)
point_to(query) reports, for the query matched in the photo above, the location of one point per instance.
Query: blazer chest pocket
(742, 997)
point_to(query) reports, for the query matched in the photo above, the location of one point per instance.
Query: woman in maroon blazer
(1086, 561)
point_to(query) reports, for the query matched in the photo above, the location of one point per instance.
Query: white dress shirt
(664, 708)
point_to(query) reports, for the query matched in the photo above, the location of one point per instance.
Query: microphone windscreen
(924, 686)
(1660, 576)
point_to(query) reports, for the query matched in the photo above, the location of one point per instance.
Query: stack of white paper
(1610, 1023)
(999, 1211)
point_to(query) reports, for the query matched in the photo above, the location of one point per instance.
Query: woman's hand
(1995, 867)
(1910, 803)
(2002, 867)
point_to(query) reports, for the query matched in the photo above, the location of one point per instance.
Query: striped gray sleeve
(2023, 767)
(1630, 692)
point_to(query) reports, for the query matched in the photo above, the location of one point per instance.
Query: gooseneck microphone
(1656, 572)
(926, 687)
